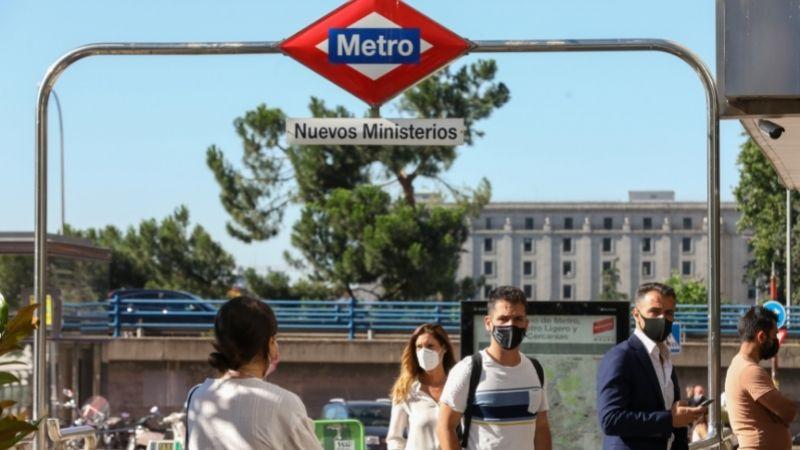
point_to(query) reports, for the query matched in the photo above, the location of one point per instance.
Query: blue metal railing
(116, 316)
(119, 315)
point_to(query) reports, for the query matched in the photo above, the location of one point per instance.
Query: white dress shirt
(417, 414)
(659, 356)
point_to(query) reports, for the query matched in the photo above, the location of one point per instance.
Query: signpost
(675, 339)
(569, 339)
(779, 310)
(375, 49)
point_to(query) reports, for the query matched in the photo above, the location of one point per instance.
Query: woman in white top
(239, 409)
(426, 360)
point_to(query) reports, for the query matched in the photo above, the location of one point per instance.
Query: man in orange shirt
(760, 415)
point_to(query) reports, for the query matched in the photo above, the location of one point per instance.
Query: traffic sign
(778, 309)
(674, 340)
(375, 49)
(344, 434)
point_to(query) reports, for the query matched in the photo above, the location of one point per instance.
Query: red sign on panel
(603, 325)
(375, 49)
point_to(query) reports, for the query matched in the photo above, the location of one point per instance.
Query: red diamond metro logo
(375, 49)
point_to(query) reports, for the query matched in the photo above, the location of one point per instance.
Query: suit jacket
(630, 405)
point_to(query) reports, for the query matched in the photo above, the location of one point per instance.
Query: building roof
(606, 206)
(22, 243)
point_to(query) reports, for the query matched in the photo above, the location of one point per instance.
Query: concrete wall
(136, 386)
(136, 374)
(141, 373)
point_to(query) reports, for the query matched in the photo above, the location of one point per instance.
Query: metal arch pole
(40, 231)
(61, 144)
(712, 141)
(788, 255)
(241, 48)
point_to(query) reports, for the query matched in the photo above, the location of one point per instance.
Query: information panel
(569, 339)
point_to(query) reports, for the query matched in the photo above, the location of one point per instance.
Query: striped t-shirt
(507, 401)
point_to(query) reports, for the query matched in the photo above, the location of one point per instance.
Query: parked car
(374, 415)
(165, 302)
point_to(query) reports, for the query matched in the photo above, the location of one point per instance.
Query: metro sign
(375, 49)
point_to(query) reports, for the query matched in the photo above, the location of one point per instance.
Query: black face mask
(508, 336)
(658, 329)
(769, 350)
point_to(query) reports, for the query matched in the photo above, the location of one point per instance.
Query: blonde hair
(409, 366)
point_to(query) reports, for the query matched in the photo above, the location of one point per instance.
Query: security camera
(771, 129)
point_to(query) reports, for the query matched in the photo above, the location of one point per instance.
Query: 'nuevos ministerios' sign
(346, 131)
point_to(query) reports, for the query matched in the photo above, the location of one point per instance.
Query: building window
(488, 267)
(606, 266)
(529, 223)
(488, 245)
(647, 223)
(686, 268)
(566, 268)
(527, 268)
(568, 223)
(686, 244)
(528, 289)
(647, 268)
(687, 223)
(488, 223)
(527, 245)
(566, 291)
(647, 245)
(566, 245)
(487, 291)
(606, 245)
(751, 292)
(608, 223)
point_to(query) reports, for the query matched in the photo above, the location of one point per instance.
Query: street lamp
(61, 136)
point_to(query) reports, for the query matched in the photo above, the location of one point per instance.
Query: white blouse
(417, 414)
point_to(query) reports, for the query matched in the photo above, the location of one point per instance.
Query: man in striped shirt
(509, 409)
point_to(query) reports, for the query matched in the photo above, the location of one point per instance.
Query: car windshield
(371, 415)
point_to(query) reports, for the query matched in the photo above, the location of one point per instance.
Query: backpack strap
(474, 378)
(186, 424)
(539, 370)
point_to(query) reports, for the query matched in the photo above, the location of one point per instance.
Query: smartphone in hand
(706, 402)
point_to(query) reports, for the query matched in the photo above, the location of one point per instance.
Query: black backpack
(474, 378)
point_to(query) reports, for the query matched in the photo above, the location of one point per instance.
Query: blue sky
(578, 126)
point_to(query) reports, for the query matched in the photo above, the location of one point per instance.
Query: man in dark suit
(637, 388)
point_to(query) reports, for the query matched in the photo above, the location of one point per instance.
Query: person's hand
(683, 416)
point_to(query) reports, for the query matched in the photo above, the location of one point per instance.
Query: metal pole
(788, 253)
(40, 227)
(61, 138)
(712, 154)
(532, 46)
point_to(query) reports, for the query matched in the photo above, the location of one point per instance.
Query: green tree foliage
(361, 223)
(14, 428)
(762, 200)
(277, 286)
(167, 255)
(16, 276)
(610, 284)
(688, 291)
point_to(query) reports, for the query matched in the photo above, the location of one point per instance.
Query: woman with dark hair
(239, 409)
(426, 361)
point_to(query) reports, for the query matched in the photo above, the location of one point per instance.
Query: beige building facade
(559, 250)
